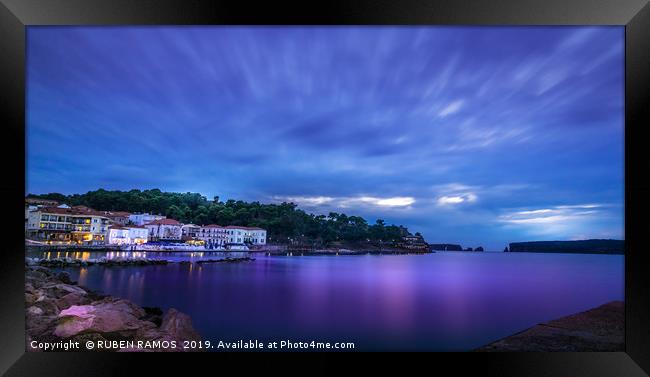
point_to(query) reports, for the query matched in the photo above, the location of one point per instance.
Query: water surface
(434, 302)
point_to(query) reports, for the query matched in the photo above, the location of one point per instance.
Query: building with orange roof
(165, 230)
(78, 225)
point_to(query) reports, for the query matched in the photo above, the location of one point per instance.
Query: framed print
(458, 185)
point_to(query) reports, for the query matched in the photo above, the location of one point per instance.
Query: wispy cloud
(560, 220)
(453, 194)
(457, 199)
(451, 108)
(348, 202)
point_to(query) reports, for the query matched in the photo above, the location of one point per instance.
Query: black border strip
(635, 14)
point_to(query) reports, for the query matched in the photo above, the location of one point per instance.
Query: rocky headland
(59, 310)
(593, 246)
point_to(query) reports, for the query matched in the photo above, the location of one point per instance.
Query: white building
(144, 218)
(138, 234)
(190, 231)
(127, 235)
(164, 230)
(117, 235)
(213, 235)
(243, 234)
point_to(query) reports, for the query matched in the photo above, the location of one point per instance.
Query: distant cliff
(581, 247)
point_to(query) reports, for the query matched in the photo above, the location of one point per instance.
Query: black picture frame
(15, 15)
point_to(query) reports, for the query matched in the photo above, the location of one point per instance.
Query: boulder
(35, 275)
(40, 295)
(152, 315)
(106, 316)
(44, 270)
(71, 299)
(33, 282)
(30, 299)
(59, 290)
(64, 277)
(38, 326)
(179, 326)
(29, 288)
(34, 310)
(48, 306)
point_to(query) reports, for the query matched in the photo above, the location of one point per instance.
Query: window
(44, 217)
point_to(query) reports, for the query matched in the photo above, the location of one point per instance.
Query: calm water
(437, 302)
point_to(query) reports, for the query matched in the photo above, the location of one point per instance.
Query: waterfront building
(247, 235)
(190, 234)
(127, 235)
(67, 225)
(190, 231)
(164, 230)
(144, 218)
(28, 208)
(138, 234)
(213, 235)
(117, 235)
(119, 217)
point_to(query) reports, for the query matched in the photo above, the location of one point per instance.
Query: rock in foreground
(601, 330)
(58, 311)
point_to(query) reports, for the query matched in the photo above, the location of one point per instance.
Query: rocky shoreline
(58, 311)
(601, 329)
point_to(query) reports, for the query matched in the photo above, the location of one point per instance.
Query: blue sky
(475, 135)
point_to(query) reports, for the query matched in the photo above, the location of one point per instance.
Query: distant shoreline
(590, 246)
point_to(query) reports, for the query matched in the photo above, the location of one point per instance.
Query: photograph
(227, 188)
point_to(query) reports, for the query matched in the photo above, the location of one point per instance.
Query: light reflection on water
(440, 302)
(171, 256)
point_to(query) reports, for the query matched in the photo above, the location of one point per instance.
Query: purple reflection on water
(437, 302)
